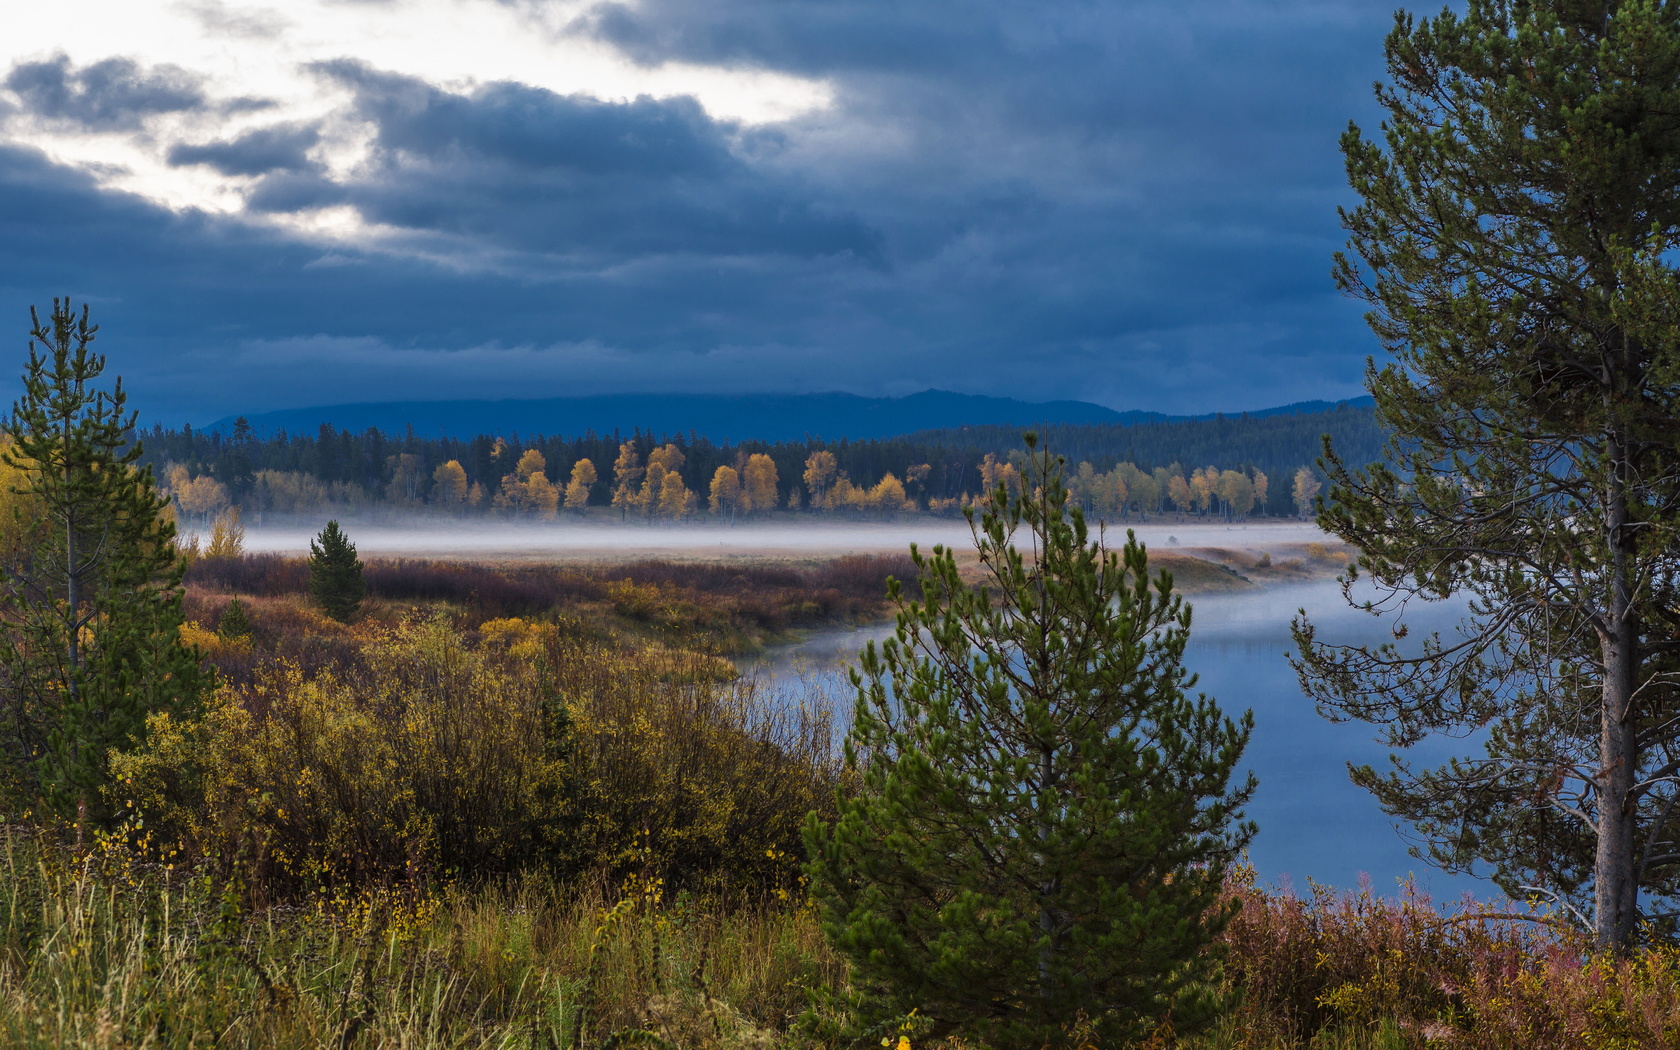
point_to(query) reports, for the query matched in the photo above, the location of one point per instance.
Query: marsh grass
(725, 608)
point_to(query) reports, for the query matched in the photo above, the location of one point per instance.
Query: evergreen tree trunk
(1615, 888)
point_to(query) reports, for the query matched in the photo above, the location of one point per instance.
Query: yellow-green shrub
(698, 779)
(438, 759)
(425, 755)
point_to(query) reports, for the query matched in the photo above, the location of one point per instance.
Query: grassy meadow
(531, 806)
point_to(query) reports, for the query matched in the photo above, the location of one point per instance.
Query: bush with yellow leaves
(437, 760)
(427, 757)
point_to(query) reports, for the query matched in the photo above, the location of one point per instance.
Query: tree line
(1115, 471)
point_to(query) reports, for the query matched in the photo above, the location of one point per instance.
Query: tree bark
(1615, 890)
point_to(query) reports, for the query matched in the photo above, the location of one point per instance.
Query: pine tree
(1045, 816)
(234, 622)
(92, 602)
(335, 574)
(1515, 240)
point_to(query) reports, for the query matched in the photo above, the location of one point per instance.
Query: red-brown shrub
(1477, 976)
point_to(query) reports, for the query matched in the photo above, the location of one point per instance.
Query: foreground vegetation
(379, 834)
(101, 948)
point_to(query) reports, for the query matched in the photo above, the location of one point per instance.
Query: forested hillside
(1273, 443)
(293, 473)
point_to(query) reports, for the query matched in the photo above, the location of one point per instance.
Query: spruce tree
(234, 622)
(335, 574)
(1515, 239)
(1046, 815)
(91, 603)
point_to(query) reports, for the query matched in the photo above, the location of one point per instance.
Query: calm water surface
(1313, 822)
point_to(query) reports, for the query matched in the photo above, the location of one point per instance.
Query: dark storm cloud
(282, 147)
(1128, 203)
(524, 169)
(110, 95)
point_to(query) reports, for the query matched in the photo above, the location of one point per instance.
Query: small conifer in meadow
(335, 574)
(234, 622)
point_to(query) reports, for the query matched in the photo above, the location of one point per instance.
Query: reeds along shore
(510, 809)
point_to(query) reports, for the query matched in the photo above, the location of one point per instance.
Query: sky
(276, 205)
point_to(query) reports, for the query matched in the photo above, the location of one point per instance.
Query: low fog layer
(432, 538)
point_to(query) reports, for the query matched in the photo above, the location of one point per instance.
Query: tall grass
(98, 952)
(102, 947)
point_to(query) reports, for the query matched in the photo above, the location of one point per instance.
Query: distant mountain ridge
(722, 418)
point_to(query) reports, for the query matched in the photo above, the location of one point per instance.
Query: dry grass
(98, 952)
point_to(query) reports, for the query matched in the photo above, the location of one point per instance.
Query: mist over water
(439, 537)
(1314, 823)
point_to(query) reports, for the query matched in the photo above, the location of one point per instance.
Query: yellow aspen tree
(1144, 491)
(627, 471)
(842, 495)
(888, 497)
(475, 495)
(577, 491)
(1260, 488)
(449, 485)
(227, 535)
(758, 484)
(1117, 494)
(668, 456)
(1178, 491)
(199, 498)
(820, 469)
(675, 500)
(1159, 479)
(1236, 491)
(1304, 491)
(793, 500)
(653, 483)
(726, 492)
(531, 462)
(1225, 489)
(542, 495)
(915, 480)
(1201, 490)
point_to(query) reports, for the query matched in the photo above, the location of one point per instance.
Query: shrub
(440, 761)
(424, 756)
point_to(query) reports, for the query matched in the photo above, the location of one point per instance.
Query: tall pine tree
(1515, 240)
(91, 604)
(1046, 815)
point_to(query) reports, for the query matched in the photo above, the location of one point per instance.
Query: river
(1314, 824)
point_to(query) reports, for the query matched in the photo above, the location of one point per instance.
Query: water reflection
(1313, 822)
